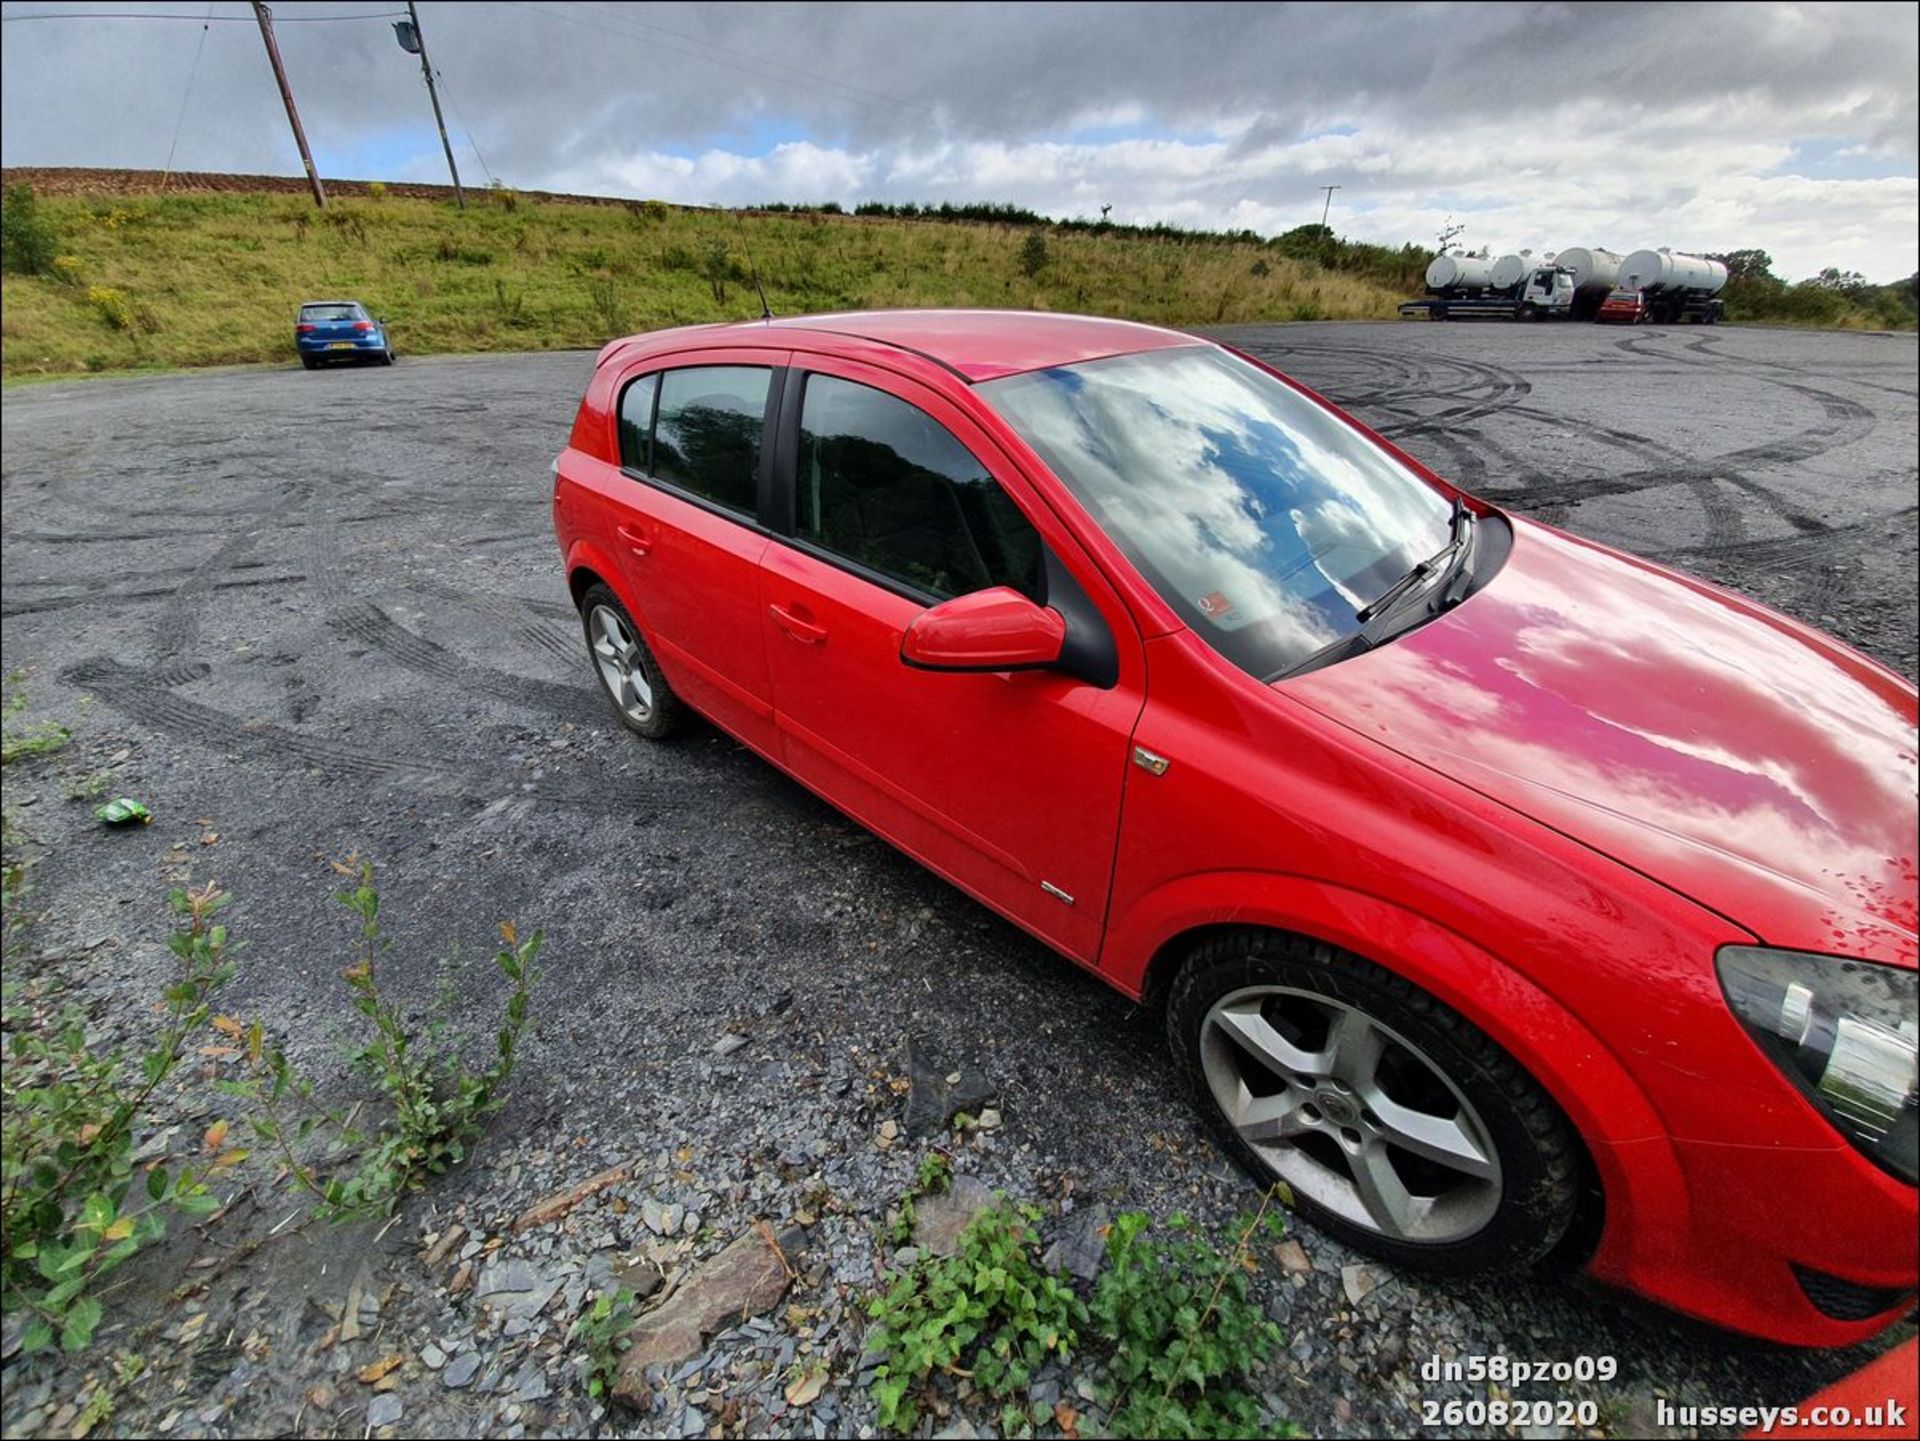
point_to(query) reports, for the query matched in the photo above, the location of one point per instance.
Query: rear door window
(883, 484)
(636, 423)
(707, 431)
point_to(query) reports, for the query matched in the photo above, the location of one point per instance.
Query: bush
(1171, 1325)
(72, 1213)
(1033, 254)
(1184, 1332)
(988, 1307)
(28, 239)
(66, 270)
(111, 306)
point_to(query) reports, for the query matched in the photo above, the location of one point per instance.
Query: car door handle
(803, 631)
(638, 541)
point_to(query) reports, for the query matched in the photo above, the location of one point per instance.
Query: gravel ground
(301, 615)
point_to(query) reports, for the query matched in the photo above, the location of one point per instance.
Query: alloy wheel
(616, 651)
(1350, 1114)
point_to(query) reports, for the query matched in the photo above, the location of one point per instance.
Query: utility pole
(265, 17)
(1327, 209)
(427, 70)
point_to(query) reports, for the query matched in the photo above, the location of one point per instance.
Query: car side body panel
(1273, 810)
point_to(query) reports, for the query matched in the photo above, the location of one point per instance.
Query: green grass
(166, 281)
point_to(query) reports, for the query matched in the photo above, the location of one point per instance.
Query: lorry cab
(1548, 294)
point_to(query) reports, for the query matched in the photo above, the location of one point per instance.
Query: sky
(1790, 127)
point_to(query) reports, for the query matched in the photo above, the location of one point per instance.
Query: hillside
(213, 275)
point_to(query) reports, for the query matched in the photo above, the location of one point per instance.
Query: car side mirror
(990, 630)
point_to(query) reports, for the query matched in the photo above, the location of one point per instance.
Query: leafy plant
(70, 1208)
(935, 1176)
(1170, 1323)
(1184, 1332)
(437, 1104)
(66, 270)
(988, 1310)
(605, 1330)
(28, 237)
(38, 738)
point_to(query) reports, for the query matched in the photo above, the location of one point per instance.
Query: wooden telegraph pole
(265, 17)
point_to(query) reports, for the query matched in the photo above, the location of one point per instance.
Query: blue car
(340, 330)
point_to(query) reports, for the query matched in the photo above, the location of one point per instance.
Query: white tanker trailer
(1674, 287)
(1460, 274)
(1510, 270)
(1594, 273)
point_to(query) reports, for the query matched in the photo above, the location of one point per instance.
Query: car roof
(987, 344)
(306, 303)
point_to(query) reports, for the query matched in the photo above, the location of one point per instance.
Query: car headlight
(1847, 1033)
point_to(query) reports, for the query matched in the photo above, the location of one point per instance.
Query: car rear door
(890, 499)
(684, 520)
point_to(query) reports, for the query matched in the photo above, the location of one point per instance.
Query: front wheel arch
(1206, 945)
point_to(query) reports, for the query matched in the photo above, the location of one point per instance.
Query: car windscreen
(329, 312)
(1261, 517)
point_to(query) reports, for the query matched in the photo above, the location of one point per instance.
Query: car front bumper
(1806, 1247)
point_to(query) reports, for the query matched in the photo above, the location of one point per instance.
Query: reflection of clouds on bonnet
(1252, 509)
(1701, 723)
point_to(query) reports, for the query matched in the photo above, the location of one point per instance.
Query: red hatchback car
(1505, 894)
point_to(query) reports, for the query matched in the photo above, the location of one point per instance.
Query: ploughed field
(300, 615)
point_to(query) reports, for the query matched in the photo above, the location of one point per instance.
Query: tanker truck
(1675, 287)
(1594, 272)
(1510, 288)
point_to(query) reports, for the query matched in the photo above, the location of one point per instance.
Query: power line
(465, 129)
(180, 123)
(203, 19)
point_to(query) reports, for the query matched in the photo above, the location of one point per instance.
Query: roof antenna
(766, 310)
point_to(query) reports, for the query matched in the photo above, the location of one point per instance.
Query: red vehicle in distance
(1622, 307)
(1505, 895)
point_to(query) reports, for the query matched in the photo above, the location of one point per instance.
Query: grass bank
(213, 279)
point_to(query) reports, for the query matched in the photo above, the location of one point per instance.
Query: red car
(1622, 307)
(1505, 894)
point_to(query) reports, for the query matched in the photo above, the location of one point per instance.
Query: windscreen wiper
(1375, 624)
(1447, 559)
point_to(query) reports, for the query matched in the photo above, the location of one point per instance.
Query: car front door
(890, 500)
(685, 522)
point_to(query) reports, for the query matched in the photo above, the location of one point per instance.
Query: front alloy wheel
(1392, 1121)
(1350, 1114)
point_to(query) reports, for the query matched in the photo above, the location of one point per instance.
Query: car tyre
(628, 673)
(386, 357)
(309, 363)
(1437, 1081)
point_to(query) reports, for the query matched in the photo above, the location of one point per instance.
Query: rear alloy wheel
(1394, 1122)
(628, 672)
(387, 357)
